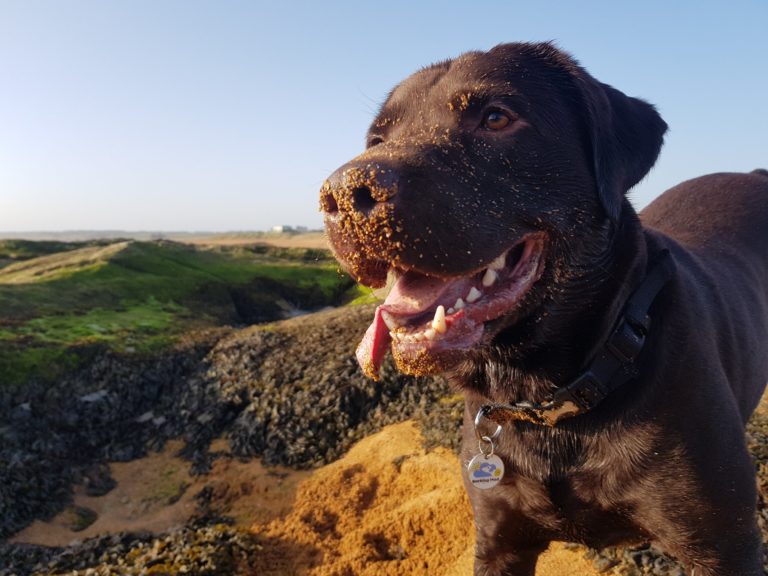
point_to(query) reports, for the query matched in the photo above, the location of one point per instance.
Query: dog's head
(488, 184)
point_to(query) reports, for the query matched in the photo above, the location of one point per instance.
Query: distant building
(289, 229)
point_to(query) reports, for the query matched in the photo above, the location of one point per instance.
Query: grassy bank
(58, 301)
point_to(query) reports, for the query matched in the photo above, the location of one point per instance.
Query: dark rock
(78, 518)
(97, 479)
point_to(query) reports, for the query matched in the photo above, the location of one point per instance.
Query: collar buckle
(586, 392)
(627, 340)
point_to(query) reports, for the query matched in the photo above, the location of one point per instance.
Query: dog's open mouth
(425, 317)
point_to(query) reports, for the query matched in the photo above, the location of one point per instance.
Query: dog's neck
(552, 347)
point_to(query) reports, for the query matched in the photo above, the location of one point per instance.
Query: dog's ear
(626, 133)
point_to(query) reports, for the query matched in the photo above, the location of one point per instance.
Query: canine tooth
(474, 295)
(499, 262)
(438, 322)
(489, 277)
(459, 304)
(430, 333)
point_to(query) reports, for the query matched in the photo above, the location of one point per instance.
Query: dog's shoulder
(722, 212)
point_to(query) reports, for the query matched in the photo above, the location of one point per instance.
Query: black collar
(612, 366)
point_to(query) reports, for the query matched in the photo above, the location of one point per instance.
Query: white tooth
(459, 304)
(474, 294)
(430, 334)
(489, 277)
(419, 336)
(438, 322)
(408, 338)
(499, 263)
(450, 311)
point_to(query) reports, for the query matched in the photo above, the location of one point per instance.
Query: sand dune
(386, 508)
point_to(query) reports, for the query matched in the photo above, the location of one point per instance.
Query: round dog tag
(485, 471)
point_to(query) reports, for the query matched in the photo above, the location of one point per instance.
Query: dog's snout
(358, 189)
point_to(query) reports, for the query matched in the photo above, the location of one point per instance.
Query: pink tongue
(414, 293)
(373, 347)
(411, 294)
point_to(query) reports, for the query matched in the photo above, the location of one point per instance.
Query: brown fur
(664, 457)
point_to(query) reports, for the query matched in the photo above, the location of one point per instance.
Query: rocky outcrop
(289, 393)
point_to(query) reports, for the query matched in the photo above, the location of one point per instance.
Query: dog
(609, 361)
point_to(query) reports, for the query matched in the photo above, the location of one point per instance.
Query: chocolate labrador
(609, 362)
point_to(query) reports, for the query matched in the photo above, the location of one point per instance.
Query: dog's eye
(496, 120)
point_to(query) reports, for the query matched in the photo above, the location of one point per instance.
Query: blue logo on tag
(485, 470)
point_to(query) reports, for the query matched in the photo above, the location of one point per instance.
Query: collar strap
(612, 366)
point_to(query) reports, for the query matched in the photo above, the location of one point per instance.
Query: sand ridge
(386, 508)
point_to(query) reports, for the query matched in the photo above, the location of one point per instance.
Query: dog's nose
(357, 189)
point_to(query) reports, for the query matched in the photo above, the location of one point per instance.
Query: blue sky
(227, 115)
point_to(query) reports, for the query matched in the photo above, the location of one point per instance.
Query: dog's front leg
(521, 562)
(508, 542)
(514, 522)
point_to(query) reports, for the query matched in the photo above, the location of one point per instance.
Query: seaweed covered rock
(290, 393)
(216, 550)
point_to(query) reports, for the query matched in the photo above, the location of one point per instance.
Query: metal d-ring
(478, 419)
(480, 446)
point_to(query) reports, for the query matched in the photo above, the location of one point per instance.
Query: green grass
(14, 251)
(140, 296)
(103, 325)
(359, 294)
(21, 360)
(25, 249)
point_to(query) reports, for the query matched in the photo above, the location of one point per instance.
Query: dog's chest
(573, 487)
(571, 509)
(582, 512)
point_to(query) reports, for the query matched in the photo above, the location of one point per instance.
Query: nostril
(328, 203)
(363, 200)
